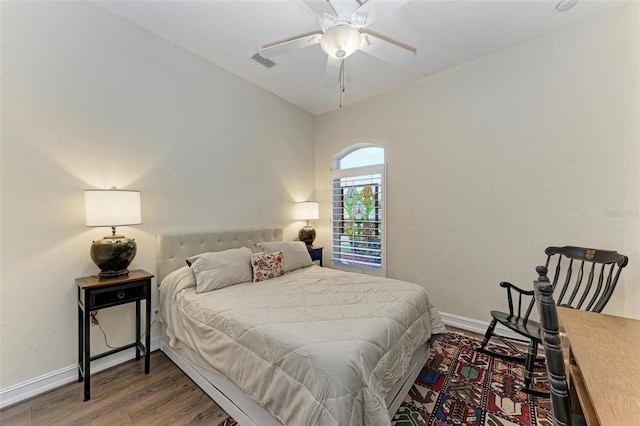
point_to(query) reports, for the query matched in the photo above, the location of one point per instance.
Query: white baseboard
(21, 391)
(475, 326)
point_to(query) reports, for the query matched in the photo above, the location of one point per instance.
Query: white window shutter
(358, 219)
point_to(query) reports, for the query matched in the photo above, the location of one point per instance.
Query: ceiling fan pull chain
(341, 85)
(342, 74)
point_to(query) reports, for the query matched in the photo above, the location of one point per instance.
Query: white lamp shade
(308, 210)
(340, 41)
(112, 207)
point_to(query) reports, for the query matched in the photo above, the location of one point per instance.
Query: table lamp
(308, 210)
(112, 207)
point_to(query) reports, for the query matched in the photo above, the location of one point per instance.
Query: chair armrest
(507, 285)
(520, 302)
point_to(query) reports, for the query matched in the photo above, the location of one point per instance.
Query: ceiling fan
(343, 25)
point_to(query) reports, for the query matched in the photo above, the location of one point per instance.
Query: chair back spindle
(575, 289)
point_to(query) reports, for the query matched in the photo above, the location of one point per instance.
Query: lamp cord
(94, 321)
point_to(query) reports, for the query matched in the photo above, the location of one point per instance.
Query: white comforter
(316, 346)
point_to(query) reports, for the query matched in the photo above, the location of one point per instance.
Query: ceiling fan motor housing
(340, 41)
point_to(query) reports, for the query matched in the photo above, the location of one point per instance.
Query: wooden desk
(604, 353)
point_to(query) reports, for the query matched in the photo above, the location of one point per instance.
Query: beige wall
(492, 161)
(632, 162)
(91, 101)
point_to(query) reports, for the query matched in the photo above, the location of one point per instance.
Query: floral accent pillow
(267, 265)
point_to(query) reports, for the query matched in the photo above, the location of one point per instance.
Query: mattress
(316, 346)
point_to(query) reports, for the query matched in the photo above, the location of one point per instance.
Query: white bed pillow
(179, 280)
(214, 270)
(295, 253)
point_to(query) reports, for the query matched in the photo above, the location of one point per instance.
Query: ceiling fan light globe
(340, 41)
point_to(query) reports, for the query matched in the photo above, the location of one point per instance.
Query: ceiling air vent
(267, 63)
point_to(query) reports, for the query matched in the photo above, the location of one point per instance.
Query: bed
(313, 346)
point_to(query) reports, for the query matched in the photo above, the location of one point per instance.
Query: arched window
(358, 209)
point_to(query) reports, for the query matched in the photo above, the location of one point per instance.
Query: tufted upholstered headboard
(174, 248)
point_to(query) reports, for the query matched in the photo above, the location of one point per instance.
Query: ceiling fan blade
(344, 8)
(388, 50)
(286, 46)
(321, 7)
(364, 15)
(370, 10)
(332, 73)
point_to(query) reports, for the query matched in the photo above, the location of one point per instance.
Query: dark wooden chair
(549, 330)
(583, 278)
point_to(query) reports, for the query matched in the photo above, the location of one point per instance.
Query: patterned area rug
(461, 386)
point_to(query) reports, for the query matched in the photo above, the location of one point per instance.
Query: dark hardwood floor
(122, 395)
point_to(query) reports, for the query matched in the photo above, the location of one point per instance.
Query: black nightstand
(315, 253)
(94, 294)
